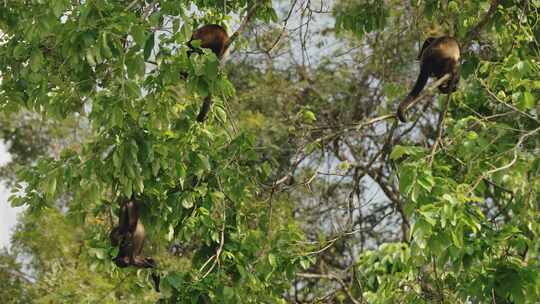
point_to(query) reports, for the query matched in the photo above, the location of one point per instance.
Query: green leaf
(526, 101)
(429, 217)
(89, 55)
(51, 185)
(149, 46)
(176, 280)
(228, 293)
(135, 65)
(309, 117)
(117, 160)
(36, 60)
(211, 68)
(19, 51)
(132, 89)
(305, 263)
(170, 234)
(407, 175)
(187, 202)
(272, 260)
(425, 180)
(105, 49)
(137, 32)
(398, 152)
(471, 135)
(58, 7)
(457, 237)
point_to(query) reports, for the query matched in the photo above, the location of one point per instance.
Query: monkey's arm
(123, 216)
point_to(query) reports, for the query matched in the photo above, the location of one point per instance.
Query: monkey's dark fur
(439, 56)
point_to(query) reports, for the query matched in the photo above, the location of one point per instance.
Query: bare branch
(251, 11)
(510, 106)
(283, 27)
(330, 276)
(439, 130)
(475, 31)
(511, 163)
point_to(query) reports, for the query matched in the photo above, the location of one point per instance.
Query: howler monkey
(215, 38)
(439, 56)
(212, 36)
(129, 237)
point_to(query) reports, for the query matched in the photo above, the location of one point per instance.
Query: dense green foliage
(293, 190)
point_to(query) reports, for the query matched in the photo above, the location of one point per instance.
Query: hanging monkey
(438, 57)
(129, 237)
(215, 38)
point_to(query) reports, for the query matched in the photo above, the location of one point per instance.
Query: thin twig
(283, 27)
(510, 106)
(243, 24)
(374, 120)
(149, 9)
(475, 31)
(131, 5)
(217, 255)
(437, 279)
(330, 276)
(439, 130)
(511, 163)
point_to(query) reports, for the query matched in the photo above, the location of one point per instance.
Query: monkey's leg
(138, 239)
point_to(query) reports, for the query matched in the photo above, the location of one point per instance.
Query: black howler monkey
(129, 237)
(215, 38)
(438, 57)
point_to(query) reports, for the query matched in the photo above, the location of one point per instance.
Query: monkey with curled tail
(439, 56)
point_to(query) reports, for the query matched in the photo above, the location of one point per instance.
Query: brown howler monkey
(439, 56)
(215, 38)
(212, 36)
(129, 237)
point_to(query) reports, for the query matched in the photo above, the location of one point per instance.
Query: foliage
(198, 183)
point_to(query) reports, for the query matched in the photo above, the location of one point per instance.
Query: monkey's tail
(418, 87)
(204, 109)
(403, 108)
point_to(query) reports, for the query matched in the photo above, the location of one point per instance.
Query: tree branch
(251, 11)
(475, 31)
(438, 132)
(511, 163)
(427, 91)
(330, 276)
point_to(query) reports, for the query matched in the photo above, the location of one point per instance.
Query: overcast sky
(8, 215)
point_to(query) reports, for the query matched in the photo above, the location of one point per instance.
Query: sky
(8, 215)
